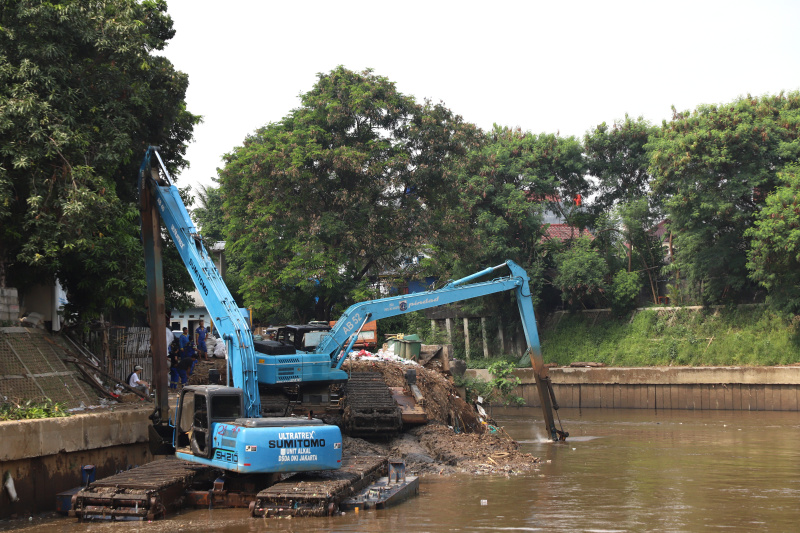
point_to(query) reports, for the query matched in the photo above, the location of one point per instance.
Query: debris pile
(456, 439)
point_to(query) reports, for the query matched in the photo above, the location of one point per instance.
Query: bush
(625, 289)
(30, 409)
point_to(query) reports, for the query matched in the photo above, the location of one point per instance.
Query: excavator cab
(199, 407)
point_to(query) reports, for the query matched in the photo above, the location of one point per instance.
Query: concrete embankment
(45, 456)
(696, 388)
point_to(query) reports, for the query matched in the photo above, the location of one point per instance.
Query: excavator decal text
(405, 304)
(197, 275)
(351, 324)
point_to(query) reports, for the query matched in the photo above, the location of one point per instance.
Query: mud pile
(455, 440)
(442, 403)
(437, 449)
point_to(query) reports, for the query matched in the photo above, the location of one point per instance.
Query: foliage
(32, 409)
(486, 362)
(581, 273)
(336, 192)
(500, 389)
(503, 187)
(81, 97)
(752, 335)
(645, 253)
(774, 256)
(616, 156)
(625, 288)
(714, 166)
(209, 215)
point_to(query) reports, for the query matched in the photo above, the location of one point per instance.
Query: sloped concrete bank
(694, 388)
(45, 456)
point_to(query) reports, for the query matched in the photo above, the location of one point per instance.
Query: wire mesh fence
(32, 368)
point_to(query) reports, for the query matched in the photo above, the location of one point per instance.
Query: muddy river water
(621, 470)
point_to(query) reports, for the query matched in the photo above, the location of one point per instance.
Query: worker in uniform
(186, 344)
(200, 340)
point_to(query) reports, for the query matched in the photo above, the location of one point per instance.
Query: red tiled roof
(564, 232)
(660, 229)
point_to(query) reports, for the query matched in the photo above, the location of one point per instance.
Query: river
(620, 470)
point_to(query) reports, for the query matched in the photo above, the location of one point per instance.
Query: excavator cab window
(226, 407)
(200, 439)
(186, 414)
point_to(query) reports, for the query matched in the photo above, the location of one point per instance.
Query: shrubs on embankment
(747, 335)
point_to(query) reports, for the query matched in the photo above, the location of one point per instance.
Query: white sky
(550, 66)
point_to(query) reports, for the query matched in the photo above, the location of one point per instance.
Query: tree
(209, 214)
(336, 193)
(617, 157)
(503, 186)
(714, 166)
(581, 273)
(774, 255)
(81, 97)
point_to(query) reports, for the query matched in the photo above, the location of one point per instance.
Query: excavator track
(147, 492)
(318, 493)
(370, 410)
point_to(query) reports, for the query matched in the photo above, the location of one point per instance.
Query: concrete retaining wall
(709, 388)
(9, 305)
(45, 456)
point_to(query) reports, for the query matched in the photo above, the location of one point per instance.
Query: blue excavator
(282, 364)
(262, 368)
(216, 425)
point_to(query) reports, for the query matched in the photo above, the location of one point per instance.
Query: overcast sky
(556, 66)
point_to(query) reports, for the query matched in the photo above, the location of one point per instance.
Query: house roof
(564, 232)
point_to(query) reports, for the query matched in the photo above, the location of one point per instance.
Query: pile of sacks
(216, 347)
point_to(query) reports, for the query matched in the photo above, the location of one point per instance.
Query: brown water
(621, 470)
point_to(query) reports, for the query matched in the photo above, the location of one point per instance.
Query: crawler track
(318, 493)
(370, 410)
(147, 492)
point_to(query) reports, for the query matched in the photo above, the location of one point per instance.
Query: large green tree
(714, 166)
(81, 97)
(617, 158)
(336, 193)
(502, 189)
(774, 255)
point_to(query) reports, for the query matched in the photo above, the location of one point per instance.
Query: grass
(29, 409)
(744, 336)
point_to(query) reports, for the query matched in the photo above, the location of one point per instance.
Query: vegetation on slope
(710, 337)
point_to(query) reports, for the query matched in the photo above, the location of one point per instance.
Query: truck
(217, 425)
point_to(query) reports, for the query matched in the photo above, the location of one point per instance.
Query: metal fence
(120, 348)
(32, 368)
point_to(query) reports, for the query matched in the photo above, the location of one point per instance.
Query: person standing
(185, 344)
(200, 340)
(174, 360)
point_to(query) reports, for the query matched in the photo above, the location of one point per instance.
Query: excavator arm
(155, 185)
(341, 338)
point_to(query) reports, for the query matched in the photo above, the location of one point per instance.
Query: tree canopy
(81, 97)
(714, 166)
(340, 190)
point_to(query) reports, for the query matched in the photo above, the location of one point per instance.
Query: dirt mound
(442, 403)
(437, 449)
(200, 373)
(478, 453)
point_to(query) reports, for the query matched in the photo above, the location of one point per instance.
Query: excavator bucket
(160, 440)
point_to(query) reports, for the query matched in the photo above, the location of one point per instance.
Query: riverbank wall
(694, 388)
(45, 456)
